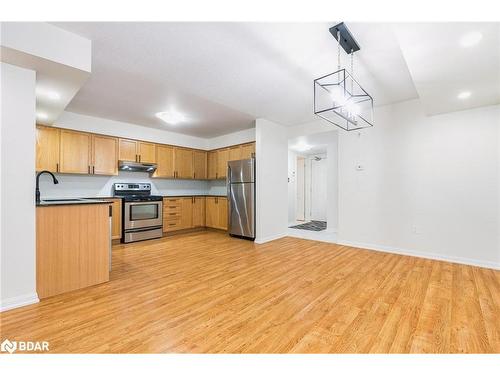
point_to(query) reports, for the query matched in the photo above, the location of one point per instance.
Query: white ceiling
(441, 67)
(222, 76)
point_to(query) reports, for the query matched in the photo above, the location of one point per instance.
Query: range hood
(132, 166)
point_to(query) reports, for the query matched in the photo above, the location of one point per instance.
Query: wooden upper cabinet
(248, 150)
(212, 165)
(199, 164)
(74, 152)
(199, 212)
(127, 150)
(146, 152)
(183, 161)
(104, 155)
(234, 153)
(47, 149)
(222, 158)
(137, 151)
(165, 161)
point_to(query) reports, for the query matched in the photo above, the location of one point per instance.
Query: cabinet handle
(194, 174)
(88, 168)
(172, 213)
(216, 175)
(93, 169)
(57, 167)
(139, 158)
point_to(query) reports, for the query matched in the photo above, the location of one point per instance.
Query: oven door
(142, 214)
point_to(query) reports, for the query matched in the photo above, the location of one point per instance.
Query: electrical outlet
(360, 167)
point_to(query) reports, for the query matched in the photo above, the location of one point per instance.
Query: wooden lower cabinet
(194, 212)
(116, 219)
(199, 212)
(216, 216)
(72, 247)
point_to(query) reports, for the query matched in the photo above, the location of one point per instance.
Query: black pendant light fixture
(338, 97)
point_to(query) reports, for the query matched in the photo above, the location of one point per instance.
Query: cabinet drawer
(171, 214)
(171, 225)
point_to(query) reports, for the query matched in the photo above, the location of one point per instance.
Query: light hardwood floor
(206, 292)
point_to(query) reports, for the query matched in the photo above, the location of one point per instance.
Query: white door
(301, 201)
(318, 189)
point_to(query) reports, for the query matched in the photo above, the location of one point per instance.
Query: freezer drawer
(242, 209)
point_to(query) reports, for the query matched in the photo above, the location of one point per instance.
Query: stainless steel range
(142, 217)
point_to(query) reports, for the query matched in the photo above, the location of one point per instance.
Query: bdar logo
(8, 346)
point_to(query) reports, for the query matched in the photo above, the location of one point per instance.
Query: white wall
(243, 136)
(48, 42)
(271, 180)
(429, 185)
(18, 284)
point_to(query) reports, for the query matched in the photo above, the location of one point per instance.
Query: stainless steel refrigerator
(241, 194)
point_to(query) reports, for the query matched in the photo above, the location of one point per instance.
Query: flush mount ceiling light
(42, 116)
(464, 95)
(171, 117)
(49, 94)
(338, 97)
(471, 39)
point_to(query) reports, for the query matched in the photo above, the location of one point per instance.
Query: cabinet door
(183, 159)
(146, 152)
(222, 157)
(199, 212)
(199, 165)
(248, 150)
(47, 149)
(186, 213)
(234, 153)
(74, 153)
(104, 155)
(127, 150)
(222, 210)
(116, 219)
(212, 213)
(165, 161)
(212, 165)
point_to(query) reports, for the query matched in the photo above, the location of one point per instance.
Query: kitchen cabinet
(212, 165)
(222, 158)
(116, 219)
(165, 161)
(72, 247)
(47, 149)
(172, 212)
(199, 212)
(199, 165)
(234, 153)
(104, 155)
(127, 150)
(186, 220)
(216, 212)
(74, 154)
(183, 161)
(146, 152)
(131, 150)
(248, 150)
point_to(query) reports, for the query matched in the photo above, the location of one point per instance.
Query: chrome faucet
(37, 189)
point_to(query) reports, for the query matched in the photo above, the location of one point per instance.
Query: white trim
(270, 238)
(19, 301)
(433, 256)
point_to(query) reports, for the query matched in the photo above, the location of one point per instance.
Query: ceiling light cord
(338, 50)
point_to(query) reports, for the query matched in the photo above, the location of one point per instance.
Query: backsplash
(102, 186)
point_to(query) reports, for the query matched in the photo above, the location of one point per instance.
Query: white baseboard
(433, 256)
(19, 301)
(269, 238)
